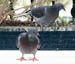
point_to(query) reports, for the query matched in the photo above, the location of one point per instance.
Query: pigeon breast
(27, 45)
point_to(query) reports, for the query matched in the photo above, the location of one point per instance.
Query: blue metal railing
(57, 40)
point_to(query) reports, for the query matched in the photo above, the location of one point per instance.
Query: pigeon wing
(39, 44)
(38, 11)
(18, 39)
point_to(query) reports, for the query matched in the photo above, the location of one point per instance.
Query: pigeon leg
(34, 59)
(22, 58)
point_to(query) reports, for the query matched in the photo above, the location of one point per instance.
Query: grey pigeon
(45, 15)
(28, 43)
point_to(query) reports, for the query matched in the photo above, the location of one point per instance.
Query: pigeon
(28, 43)
(46, 15)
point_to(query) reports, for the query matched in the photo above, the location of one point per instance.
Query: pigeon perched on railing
(28, 43)
(45, 15)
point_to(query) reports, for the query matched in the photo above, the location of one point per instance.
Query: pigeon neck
(30, 38)
(58, 8)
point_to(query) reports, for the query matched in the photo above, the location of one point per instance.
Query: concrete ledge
(22, 28)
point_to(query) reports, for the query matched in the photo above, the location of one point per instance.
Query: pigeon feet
(21, 59)
(34, 59)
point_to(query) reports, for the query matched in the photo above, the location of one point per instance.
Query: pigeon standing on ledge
(28, 43)
(45, 15)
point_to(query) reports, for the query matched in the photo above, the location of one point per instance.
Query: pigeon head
(32, 34)
(60, 6)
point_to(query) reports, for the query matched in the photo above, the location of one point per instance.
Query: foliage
(39, 2)
(63, 21)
